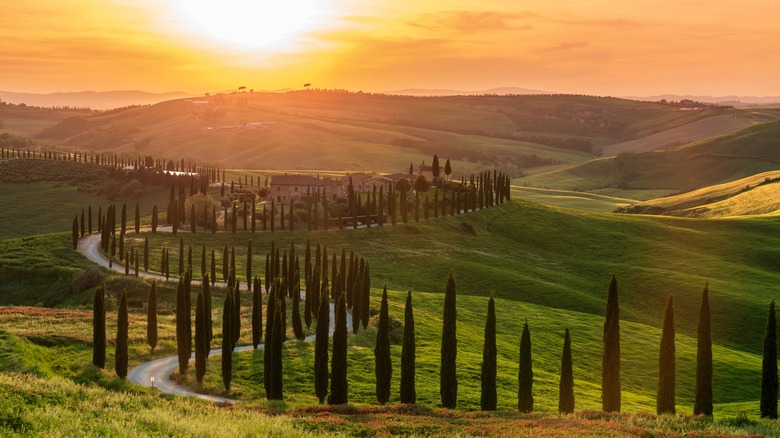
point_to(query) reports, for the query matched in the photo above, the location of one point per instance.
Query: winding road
(156, 373)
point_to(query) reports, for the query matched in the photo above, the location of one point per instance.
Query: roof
(356, 177)
(298, 180)
(397, 176)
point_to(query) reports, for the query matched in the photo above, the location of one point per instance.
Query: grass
(570, 199)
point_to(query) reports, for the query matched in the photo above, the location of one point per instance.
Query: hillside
(754, 195)
(709, 162)
(339, 130)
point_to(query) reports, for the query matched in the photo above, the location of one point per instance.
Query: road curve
(156, 373)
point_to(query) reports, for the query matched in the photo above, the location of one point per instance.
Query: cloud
(469, 22)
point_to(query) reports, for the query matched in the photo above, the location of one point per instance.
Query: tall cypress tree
(204, 286)
(257, 314)
(227, 337)
(338, 371)
(666, 363)
(489, 398)
(137, 219)
(236, 313)
(408, 353)
(610, 360)
(566, 385)
(122, 327)
(99, 329)
(321, 348)
(151, 317)
(269, 331)
(703, 400)
(383, 365)
(155, 218)
(200, 338)
(277, 340)
(75, 235)
(769, 367)
(525, 376)
(448, 379)
(249, 266)
(181, 332)
(146, 253)
(296, 316)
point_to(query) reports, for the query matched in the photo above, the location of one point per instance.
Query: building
(295, 187)
(361, 182)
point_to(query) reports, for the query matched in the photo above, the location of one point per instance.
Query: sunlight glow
(251, 24)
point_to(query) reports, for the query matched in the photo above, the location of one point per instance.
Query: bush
(87, 279)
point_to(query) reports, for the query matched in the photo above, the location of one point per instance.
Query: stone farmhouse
(284, 188)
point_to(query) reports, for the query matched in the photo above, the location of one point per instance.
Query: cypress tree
(257, 314)
(155, 218)
(566, 386)
(489, 398)
(275, 348)
(146, 253)
(227, 336)
(181, 333)
(703, 401)
(435, 166)
(448, 379)
(201, 336)
(189, 259)
(249, 266)
(75, 236)
(137, 219)
(99, 329)
(666, 363)
(408, 353)
(236, 313)
(204, 286)
(120, 356)
(338, 371)
(610, 360)
(321, 349)
(124, 219)
(357, 299)
(769, 367)
(151, 317)
(383, 365)
(296, 316)
(525, 377)
(254, 211)
(225, 261)
(269, 331)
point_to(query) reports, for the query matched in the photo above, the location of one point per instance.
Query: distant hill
(756, 194)
(346, 131)
(722, 100)
(90, 99)
(705, 163)
(500, 91)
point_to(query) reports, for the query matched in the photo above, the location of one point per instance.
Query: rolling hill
(340, 130)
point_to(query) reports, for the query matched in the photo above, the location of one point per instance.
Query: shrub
(87, 279)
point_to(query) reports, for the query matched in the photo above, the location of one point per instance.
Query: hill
(714, 161)
(90, 99)
(755, 195)
(350, 131)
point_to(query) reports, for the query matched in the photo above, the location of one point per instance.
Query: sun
(251, 24)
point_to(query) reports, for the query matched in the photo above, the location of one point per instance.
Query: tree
(666, 363)
(296, 313)
(137, 219)
(408, 353)
(181, 332)
(447, 168)
(421, 184)
(227, 344)
(257, 314)
(236, 313)
(201, 338)
(277, 340)
(489, 398)
(769, 367)
(321, 346)
(383, 365)
(75, 236)
(249, 266)
(99, 329)
(703, 400)
(155, 218)
(566, 385)
(448, 379)
(269, 332)
(435, 167)
(121, 338)
(610, 359)
(338, 370)
(151, 317)
(124, 219)
(525, 377)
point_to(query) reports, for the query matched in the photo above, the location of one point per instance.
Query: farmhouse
(361, 182)
(295, 187)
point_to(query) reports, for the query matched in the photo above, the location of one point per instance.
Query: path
(161, 369)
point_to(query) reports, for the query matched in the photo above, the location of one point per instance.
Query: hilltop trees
(120, 355)
(525, 398)
(666, 363)
(769, 367)
(448, 379)
(408, 353)
(703, 401)
(566, 385)
(99, 329)
(610, 359)
(489, 398)
(384, 367)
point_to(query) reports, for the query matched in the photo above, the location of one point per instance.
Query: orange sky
(605, 47)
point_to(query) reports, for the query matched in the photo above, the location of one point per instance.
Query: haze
(590, 47)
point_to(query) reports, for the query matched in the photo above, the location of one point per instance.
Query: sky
(602, 47)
